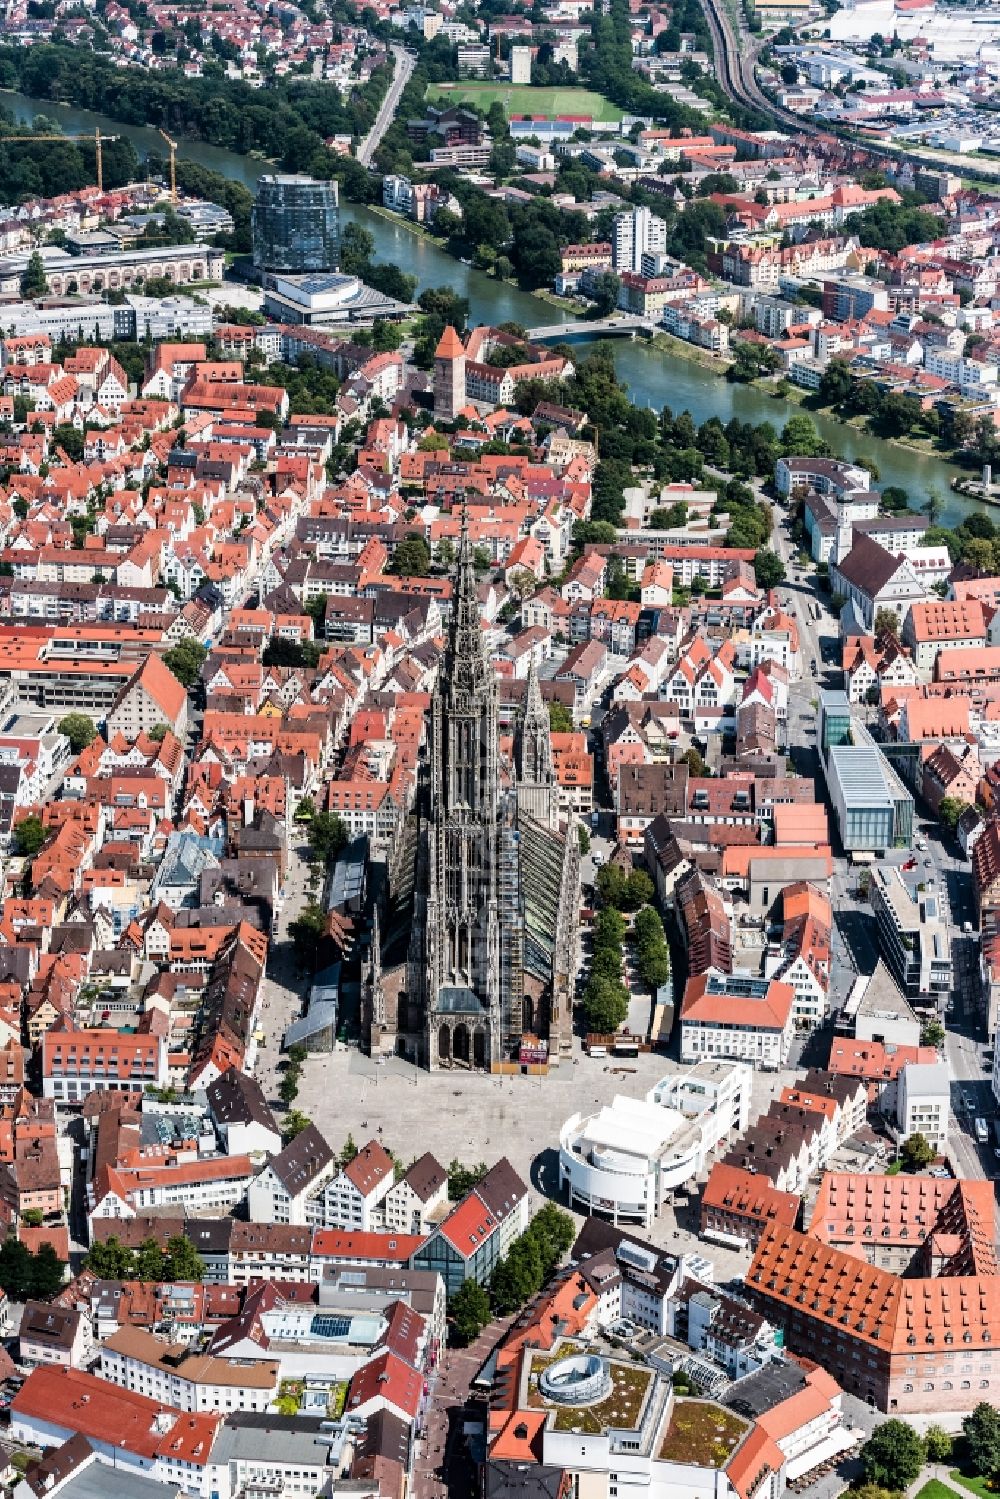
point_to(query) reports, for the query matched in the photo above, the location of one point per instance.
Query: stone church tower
(449, 376)
(494, 938)
(462, 926)
(537, 792)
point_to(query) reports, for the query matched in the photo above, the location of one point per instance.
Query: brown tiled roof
(302, 1160)
(868, 566)
(425, 1176)
(796, 1274)
(370, 1166)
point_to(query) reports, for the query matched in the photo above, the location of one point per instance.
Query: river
(654, 377)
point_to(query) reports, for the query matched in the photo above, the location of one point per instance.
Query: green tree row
(287, 123)
(652, 952)
(288, 1088)
(113, 1260)
(521, 1273)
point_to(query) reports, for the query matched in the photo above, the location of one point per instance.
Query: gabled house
(284, 1191)
(479, 1230)
(353, 1198)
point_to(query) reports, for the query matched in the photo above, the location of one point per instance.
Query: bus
(982, 1133)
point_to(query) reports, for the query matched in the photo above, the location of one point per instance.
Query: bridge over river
(618, 325)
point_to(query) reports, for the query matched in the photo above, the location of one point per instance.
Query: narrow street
(283, 990)
(442, 1463)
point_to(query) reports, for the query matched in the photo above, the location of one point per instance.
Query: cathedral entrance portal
(444, 1045)
(460, 1043)
(479, 1047)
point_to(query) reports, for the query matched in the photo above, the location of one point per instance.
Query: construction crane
(173, 165)
(97, 138)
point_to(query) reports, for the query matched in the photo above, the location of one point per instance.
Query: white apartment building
(208, 1184)
(967, 374)
(913, 934)
(737, 1017)
(418, 1199)
(635, 234)
(353, 1197)
(170, 1372)
(397, 192)
(294, 1456)
(923, 1102)
(281, 1193)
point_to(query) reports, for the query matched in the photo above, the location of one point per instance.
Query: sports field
(523, 99)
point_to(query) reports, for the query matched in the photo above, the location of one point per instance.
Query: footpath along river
(655, 377)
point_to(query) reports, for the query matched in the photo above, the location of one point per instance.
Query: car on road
(968, 1101)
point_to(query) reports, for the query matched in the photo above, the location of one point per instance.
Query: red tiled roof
(390, 1379)
(390, 1249)
(78, 1402)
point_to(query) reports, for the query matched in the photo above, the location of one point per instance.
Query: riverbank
(923, 447)
(564, 304)
(389, 214)
(654, 376)
(541, 293)
(681, 349)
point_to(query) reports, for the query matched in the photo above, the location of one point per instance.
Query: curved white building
(622, 1162)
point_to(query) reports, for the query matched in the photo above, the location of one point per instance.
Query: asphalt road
(855, 948)
(405, 63)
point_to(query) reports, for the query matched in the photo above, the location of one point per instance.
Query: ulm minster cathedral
(493, 881)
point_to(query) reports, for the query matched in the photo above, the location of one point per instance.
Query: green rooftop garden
(622, 1408)
(703, 1433)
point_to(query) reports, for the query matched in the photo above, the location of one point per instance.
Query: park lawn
(934, 1490)
(979, 1486)
(524, 99)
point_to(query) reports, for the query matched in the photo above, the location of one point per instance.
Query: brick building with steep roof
(735, 1201)
(924, 1340)
(449, 376)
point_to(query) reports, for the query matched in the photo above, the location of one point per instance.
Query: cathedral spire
(469, 666)
(535, 712)
(375, 971)
(536, 776)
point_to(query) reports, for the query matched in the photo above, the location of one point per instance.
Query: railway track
(735, 63)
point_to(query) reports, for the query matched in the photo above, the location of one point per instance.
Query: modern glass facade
(296, 225)
(835, 719)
